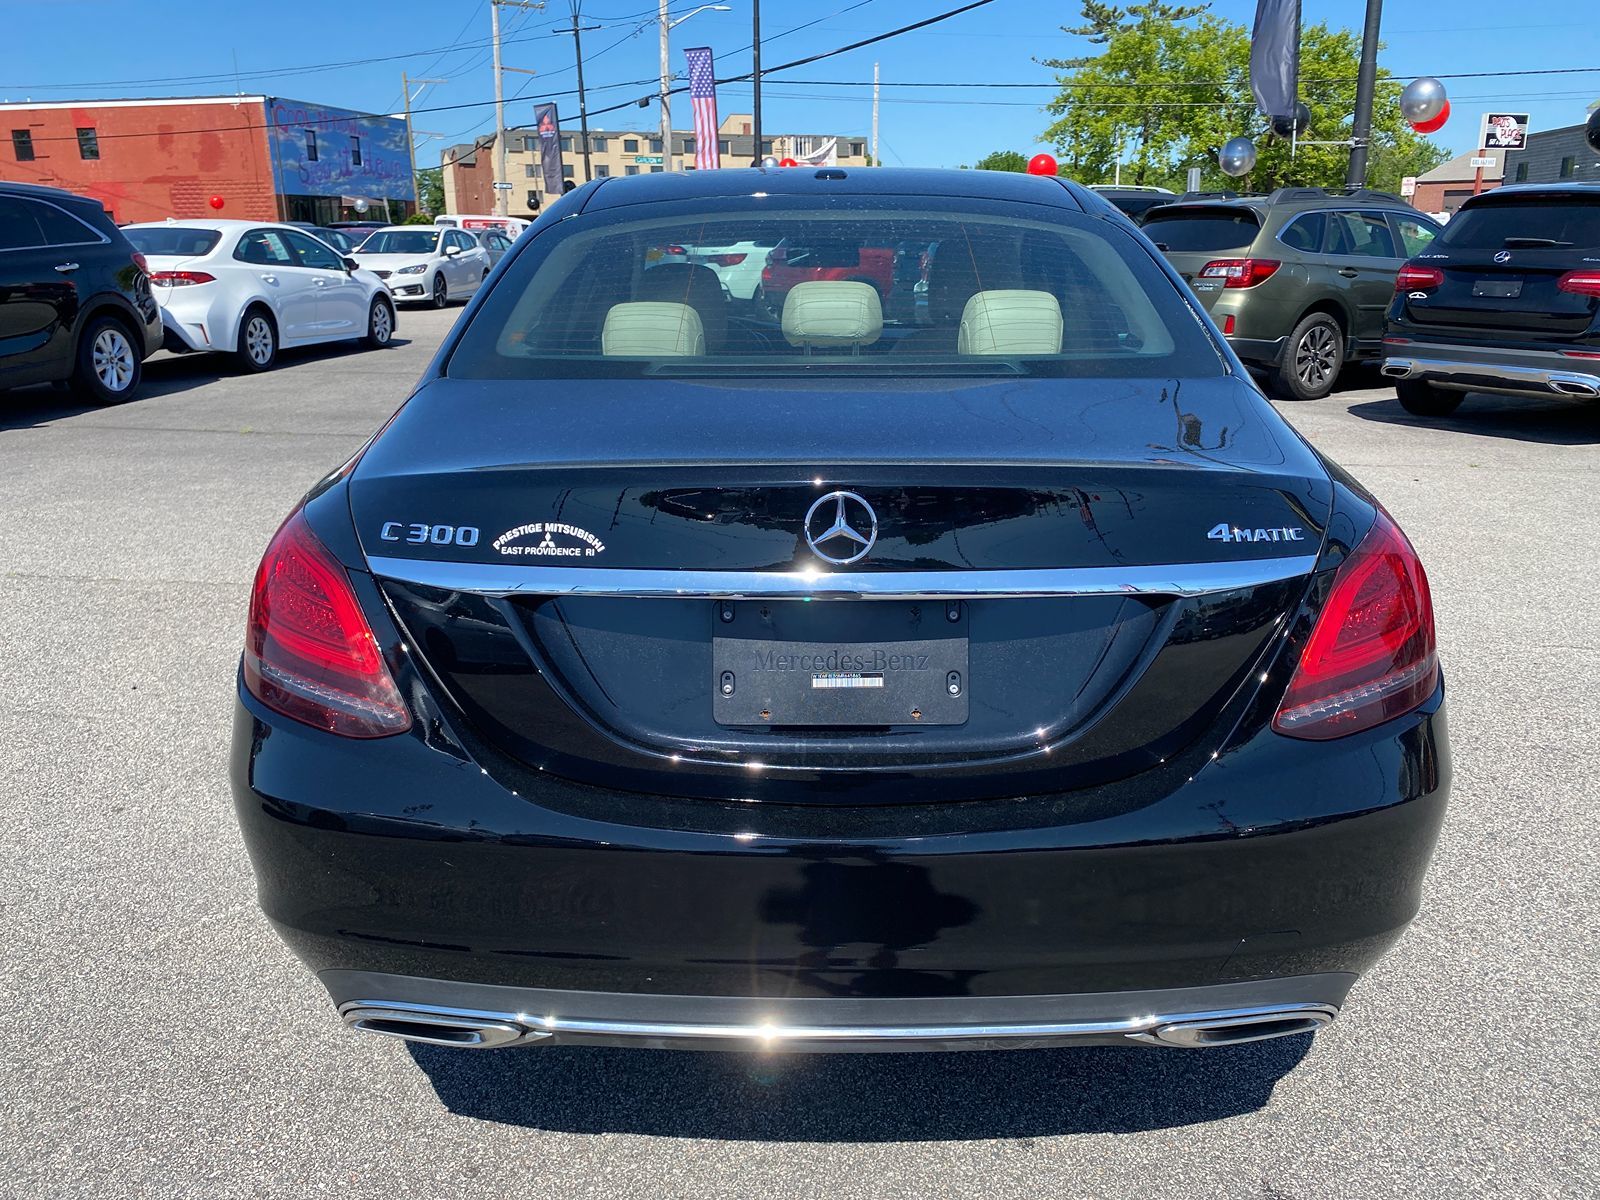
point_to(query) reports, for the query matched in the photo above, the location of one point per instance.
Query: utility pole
(1366, 81)
(501, 195)
(666, 85)
(411, 136)
(577, 31)
(876, 161)
(755, 45)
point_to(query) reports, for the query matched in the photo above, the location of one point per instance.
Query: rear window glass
(1564, 222)
(401, 241)
(175, 241)
(868, 287)
(1203, 229)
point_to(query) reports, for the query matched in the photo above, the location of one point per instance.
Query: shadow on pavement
(164, 375)
(858, 1097)
(1552, 422)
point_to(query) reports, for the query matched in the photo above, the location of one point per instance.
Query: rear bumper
(405, 874)
(1505, 371)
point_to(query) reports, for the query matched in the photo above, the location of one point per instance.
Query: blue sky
(68, 49)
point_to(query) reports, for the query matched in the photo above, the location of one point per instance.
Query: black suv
(75, 301)
(1297, 281)
(1507, 301)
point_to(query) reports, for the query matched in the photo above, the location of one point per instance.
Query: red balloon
(215, 202)
(788, 162)
(1041, 164)
(1437, 123)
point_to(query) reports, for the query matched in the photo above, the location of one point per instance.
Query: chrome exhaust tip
(1396, 368)
(1233, 1029)
(460, 1029)
(1574, 385)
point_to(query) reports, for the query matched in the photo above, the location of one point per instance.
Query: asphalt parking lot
(156, 1038)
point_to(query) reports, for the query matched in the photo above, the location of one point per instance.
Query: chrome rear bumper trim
(1180, 579)
(1487, 376)
(1194, 1030)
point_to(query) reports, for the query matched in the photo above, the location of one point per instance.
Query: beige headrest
(826, 312)
(652, 329)
(1010, 322)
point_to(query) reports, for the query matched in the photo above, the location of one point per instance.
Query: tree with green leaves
(430, 192)
(1173, 84)
(1002, 160)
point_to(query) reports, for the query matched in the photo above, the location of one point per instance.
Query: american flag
(703, 97)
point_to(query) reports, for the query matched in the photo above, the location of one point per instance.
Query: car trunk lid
(1075, 596)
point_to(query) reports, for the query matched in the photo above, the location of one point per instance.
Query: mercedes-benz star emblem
(1502, 256)
(841, 527)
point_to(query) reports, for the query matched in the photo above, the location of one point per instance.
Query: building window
(529, 171)
(724, 146)
(88, 144)
(630, 145)
(688, 145)
(630, 170)
(599, 143)
(602, 171)
(1522, 172)
(22, 144)
(766, 145)
(530, 143)
(311, 145)
(566, 144)
(655, 169)
(858, 149)
(1568, 165)
(355, 151)
(655, 145)
(566, 170)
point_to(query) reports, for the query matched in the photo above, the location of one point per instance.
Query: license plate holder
(1498, 289)
(842, 664)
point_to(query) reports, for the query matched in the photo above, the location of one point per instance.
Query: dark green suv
(1297, 281)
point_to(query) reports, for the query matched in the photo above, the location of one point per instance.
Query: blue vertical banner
(548, 124)
(1275, 58)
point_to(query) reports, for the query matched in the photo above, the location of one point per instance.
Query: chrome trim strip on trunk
(1178, 579)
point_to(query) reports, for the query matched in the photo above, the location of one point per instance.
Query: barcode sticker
(845, 679)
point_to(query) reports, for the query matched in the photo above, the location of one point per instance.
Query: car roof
(1570, 187)
(42, 191)
(739, 182)
(219, 224)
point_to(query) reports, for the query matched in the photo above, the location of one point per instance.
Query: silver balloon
(769, 162)
(361, 206)
(1422, 100)
(1237, 157)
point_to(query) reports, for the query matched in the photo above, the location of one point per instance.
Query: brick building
(469, 168)
(266, 157)
(1442, 189)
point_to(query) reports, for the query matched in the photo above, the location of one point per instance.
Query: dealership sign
(1504, 131)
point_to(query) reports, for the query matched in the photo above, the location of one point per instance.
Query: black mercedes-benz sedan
(993, 668)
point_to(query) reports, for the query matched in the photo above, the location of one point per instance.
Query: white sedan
(425, 263)
(249, 288)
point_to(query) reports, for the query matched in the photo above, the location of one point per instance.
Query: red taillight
(674, 250)
(1412, 278)
(726, 260)
(141, 262)
(1227, 324)
(181, 278)
(309, 652)
(1371, 656)
(1240, 272)
(1580, 283)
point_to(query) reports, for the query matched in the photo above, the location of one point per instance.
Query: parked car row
(83, 302)
(1504, 298)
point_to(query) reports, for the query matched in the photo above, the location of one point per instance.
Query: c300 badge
(549, 539)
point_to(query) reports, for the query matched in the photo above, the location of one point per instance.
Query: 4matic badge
(549, 539)
(1236, 533)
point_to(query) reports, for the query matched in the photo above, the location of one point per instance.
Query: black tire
(257, 348)
(380, 325)
(1424, 400)
(1312, 357)
(441, 291)
(106, 367)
